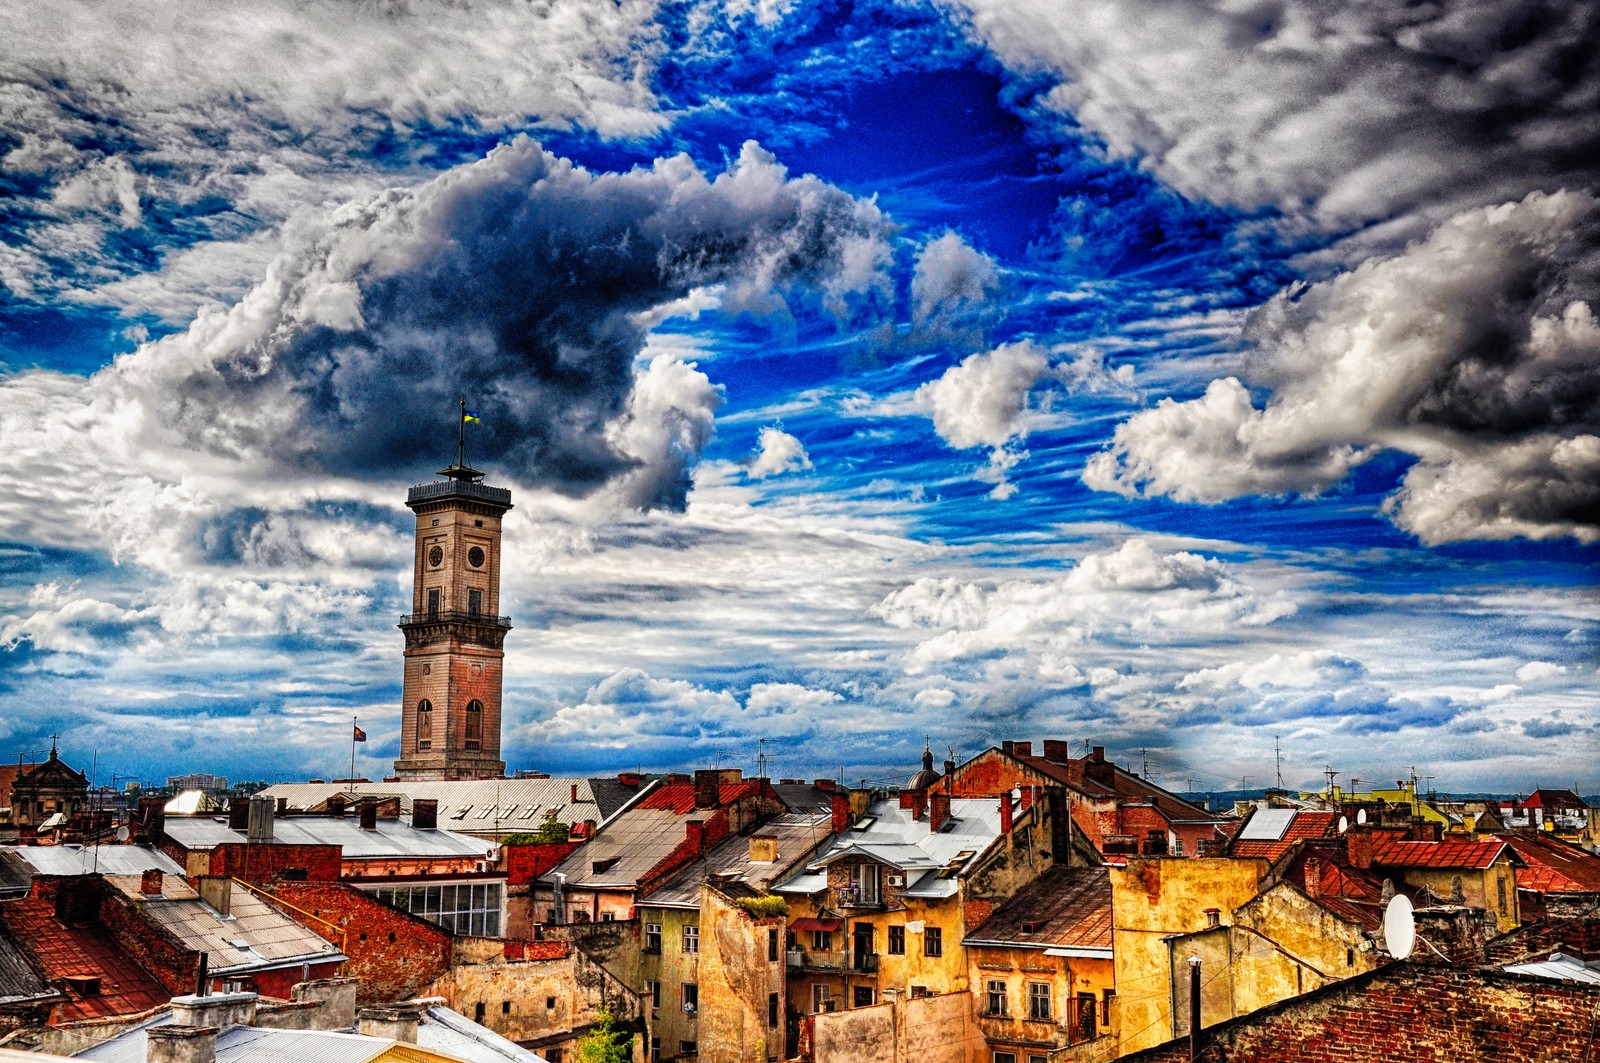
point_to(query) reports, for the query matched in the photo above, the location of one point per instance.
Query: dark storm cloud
(523, 283)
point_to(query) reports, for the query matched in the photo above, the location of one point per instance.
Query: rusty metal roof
(252, 936)
(1064, 907)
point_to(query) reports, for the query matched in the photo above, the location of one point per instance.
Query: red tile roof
(679, 796)
(1304, 826)
(1392, 852)
(1554, 866)
(126, 988)
(1126, 786)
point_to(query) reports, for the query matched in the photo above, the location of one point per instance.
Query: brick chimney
(424, 814)
(217, 891)
(1358, 847)
(919, 804)
(238, 813)
(1022, 749)
(180, 1044)
(825, 785)
(216, 1010)
(938, 811)
(949, 770)
(841, 813)
(1311, 871)
(1008, 747)
(336, 805)
(1027, 798)
(1098, 769)
(1057, 750)
(695, 833)
(367, 810)
(152, 819)
(707, 788)
(396, 1021)
(1005, 813)
(150, 882)
(574, 794)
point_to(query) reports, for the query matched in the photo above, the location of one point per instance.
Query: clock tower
(450, 720)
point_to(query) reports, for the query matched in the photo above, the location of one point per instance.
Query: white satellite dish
(1344, 824)
(1399, 927)
(1361, 815)
(122, 834)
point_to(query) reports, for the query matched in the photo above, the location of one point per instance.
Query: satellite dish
(122, 834)
(1399, 927)
(1361, 815)
(1344, 824)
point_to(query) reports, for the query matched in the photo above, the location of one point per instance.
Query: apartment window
(1349, 957)
(772, 1009)
(997, 997)
(1039, 1001)
(505, 1007)
(1037, 1059)
(652, 937)
(865, 996)
(1177, 845)
(653, 991)
(1502, 884)
(691, 998)
(1105, 1012)
(772, 946)
(691, 939)
(822, 941)
(479, 1012)
(1005, 1057)
(424, 724)
(474, 734)
(474, 603)
(608, 917)
(820, 995)
(933, 942)
(462, 908)
(688, 1048)
(655, 1050)
(897, 941)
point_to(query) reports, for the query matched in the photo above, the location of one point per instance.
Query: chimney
(1005, 813)
(283, 805)
(841, 813)
(1008, 747)
(949, 768)
(217, 891)
(150, 882)
(1311, 873)
(695, 833)
(1057, 750)
(938, 811)
(1022, 749)
(825, 785)
(398, 1022)
(574, 794)
(259, 823)
(1027, 798)
(919, 804)
(152, 819)
(629, 778)
(216, 1010)
(424, 814)
(180, 1044)
(238, 813)
(763, 849)
(1358, 847)
(1098, 769)
(367, 809)
(336, 805)
(707, 788)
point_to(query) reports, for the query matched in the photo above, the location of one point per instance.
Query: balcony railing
(453, 616)
(866, 962)
(856, 897)
(816, 961)
(498, 496)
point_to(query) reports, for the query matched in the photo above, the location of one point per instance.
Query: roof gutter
(1080, 952)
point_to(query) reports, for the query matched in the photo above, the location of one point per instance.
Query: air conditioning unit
(896, 880)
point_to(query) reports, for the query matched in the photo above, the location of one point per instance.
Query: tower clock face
(475, 557)
(436, 556)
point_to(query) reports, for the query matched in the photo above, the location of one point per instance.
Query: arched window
(474, 735)
(424, 724)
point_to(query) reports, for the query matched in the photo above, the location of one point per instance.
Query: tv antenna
(1332, 774)
(1277, 755)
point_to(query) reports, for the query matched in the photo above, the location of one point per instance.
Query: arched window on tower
(474, 734)
(424, 724)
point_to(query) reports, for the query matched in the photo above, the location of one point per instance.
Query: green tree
(604, 1043)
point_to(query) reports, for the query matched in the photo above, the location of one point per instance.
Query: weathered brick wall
(1409, 1013)
(394, 953)
(525, 863)
(259, 863)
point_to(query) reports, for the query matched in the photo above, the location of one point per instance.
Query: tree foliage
(604, 1043)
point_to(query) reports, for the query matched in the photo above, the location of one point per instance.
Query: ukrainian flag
(470, 417)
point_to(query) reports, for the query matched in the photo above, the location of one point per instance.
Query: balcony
(1042, 1035)
(866, 962)
(443, 489)
(856, 897)
(815, 961)
(452, 616)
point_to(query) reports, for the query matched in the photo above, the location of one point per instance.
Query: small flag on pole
(359, 736)
(470, 417)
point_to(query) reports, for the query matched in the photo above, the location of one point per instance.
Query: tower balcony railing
(500, 496)
(452, 616)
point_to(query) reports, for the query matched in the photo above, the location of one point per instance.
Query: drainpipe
(1194, 1008)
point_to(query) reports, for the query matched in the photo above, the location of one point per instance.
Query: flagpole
(461, 441)
(353, 721)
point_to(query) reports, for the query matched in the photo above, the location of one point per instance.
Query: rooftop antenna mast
(1277, 755)
(1331, 773)
(1144, 763)
(761, 759)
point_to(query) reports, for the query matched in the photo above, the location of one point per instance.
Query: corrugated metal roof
(392, 838)
(795, 833)
(629, 846)
(443, 1030)
(888, 833)
(252, 1044)
(87, 859)
(18, 980)
(252, 936)
(484, 806)
(1558, 966)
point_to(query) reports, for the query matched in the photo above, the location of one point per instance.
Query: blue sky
(1179, 378)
